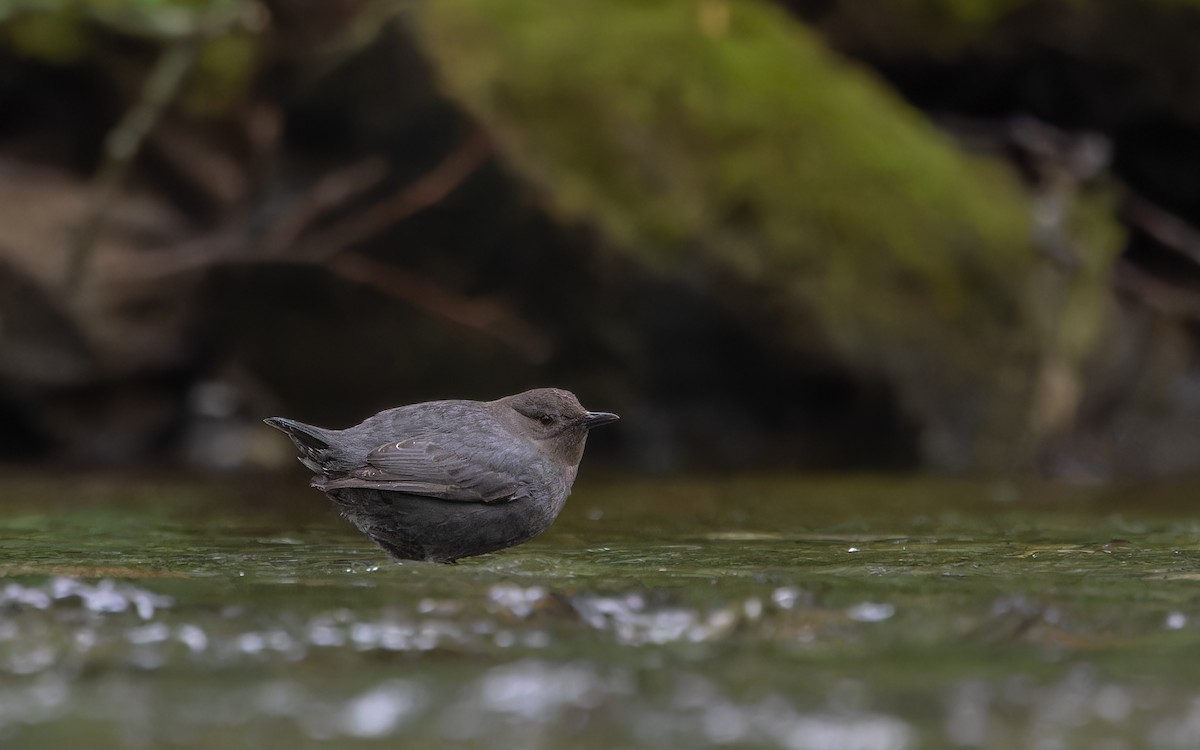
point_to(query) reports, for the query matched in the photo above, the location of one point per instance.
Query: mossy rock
(723, 139)
(83, 33)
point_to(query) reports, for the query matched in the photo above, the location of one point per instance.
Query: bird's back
(465, 428)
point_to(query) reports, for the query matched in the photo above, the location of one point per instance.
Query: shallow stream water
(878, 613)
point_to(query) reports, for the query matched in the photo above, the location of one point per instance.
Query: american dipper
(448, 479)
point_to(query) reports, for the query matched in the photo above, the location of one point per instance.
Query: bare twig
(1167, 229)
(476, 314)
(122, 146)
(182, 35)
(430, 189)
(329, 248)
(331, 191)
(220, 248)
(1158, 294)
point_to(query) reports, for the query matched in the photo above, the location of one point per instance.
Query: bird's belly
(413, 527)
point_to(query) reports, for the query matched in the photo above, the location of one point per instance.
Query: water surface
(807, 614)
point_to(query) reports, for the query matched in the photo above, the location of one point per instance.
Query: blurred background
(804, 234)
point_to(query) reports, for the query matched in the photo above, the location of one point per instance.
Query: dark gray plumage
(448, 479)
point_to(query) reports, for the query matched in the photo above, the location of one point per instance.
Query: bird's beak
(597, 418)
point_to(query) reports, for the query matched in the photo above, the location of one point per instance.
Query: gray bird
(448, 479)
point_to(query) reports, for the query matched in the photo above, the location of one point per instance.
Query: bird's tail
(312, 443)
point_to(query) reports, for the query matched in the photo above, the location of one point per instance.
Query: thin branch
(331, 192)
(230, 246)
(1167, 229)
(1155, 293)
(329, 248)
(121, 147)
(474, 313)
(429, 190)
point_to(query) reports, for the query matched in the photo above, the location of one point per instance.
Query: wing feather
(422, 466)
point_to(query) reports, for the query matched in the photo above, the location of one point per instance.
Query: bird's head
(555, 420)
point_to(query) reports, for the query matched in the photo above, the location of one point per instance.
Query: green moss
(55, 37)
(724, 135)
(61, 33)
(670, 137)
(223, 73)
(1089, 299)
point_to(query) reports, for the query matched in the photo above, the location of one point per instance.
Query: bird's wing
(420, 466)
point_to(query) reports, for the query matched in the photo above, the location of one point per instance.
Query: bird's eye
(546, 419)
